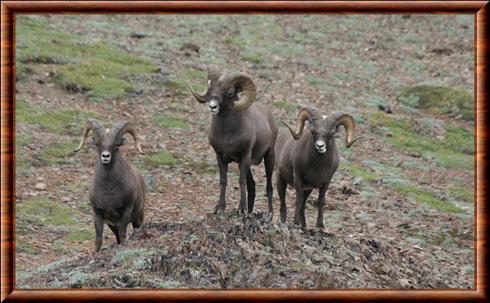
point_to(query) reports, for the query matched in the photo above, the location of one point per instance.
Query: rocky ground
(399, 210)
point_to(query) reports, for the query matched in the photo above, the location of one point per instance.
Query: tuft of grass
(426, 198)
(465, 194)
(60, 153)
(161, 158)
(357, 171)
(63, 121)
(439, 99)
(252, 57)
(79, 235)
(285, 105)
(453, 151)
(167, 121)
(97, 69)
(42, 211)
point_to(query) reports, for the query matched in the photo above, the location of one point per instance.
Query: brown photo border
(10, 8)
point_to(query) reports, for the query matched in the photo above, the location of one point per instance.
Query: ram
(241, 131)
(117, 192)
(308, 159)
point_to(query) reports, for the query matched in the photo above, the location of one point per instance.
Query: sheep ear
(124, 141)
(92, 141)
(308, 124)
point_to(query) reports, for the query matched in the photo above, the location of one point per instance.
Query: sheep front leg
(298, 213)
(99, 230)
(321, 205)
(244, 170)
(126, 218)
(223, 179)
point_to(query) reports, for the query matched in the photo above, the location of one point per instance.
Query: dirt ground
(399, 212)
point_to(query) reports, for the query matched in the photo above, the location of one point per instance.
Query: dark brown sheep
(309, 159)
(117, 192)
(241, 131)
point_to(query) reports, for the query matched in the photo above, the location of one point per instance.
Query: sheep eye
(230, 94)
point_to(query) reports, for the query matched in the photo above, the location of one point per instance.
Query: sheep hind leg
(115, 230)
(269, 170)
(250, 191)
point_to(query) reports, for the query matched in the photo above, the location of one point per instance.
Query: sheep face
(107, 146)
(222, 97)
(323, 132)
(226, 92)
(323, 128)
(107, 141)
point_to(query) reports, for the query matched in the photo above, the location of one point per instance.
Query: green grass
(465, 194)
(285, 105)
(178, 82)
(252, 57)
(160, 159)
(60, 152)
(439, 99)
(67, 121)
(357, 171)
(97, 69)
(79, 235)
(426, 198)
(455, 151)
(42, 211)
(167, 121)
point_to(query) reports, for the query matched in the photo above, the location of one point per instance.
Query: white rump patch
(324, 118)
(107, 131)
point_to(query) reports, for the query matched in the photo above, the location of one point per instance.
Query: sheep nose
(213, 106)
(320, 144)
(106, 155)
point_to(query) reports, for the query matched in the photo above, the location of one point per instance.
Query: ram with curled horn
(241, 131)
(117, 191)
(308, 158)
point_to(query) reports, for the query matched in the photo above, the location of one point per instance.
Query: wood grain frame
(9, 9)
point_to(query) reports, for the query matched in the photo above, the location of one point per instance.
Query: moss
(426, 198)
(167, 121)
(439, 99)
(42, 211)
(202, 167)
(161, 158)
(285, 105)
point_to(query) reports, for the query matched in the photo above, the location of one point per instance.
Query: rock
(40, 186)
(404, 283)
(138, 35)
(357, 181)
(385, 108)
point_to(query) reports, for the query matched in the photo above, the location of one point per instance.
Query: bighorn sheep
(241, 131)
(117, 192)
(308, 160)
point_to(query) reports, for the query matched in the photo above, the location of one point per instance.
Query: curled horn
(121, 128)
(348, 122)
(213, 75)
(91, 125)
(303, 115)
(248, 88)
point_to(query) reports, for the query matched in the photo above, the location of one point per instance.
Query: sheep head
(107, 140)
(222, 93)
(323, 128)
